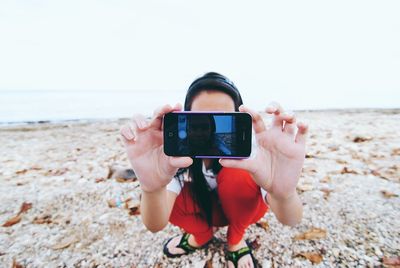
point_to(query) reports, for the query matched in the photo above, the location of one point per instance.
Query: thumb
(180, 162)
(239, 163)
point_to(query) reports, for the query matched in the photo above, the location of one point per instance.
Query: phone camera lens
(170, 134)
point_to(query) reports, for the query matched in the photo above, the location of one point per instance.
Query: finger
(289, 126)
(281, 118)
(246, 164)
(258, 122)
(127, 133)
(140, 123)
(301, 133)
(279, 115)
(274, 108)
(158, 114)
(178, 107)
(180, 162)
(157, 119)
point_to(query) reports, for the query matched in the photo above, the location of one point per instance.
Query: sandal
(235, 256)
(183, 244)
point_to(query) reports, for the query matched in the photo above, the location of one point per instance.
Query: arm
(288, 211)
(144, 146)
(156, 208)
(277, 165)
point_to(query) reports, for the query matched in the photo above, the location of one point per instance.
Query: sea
(20, 107)
(36, 106)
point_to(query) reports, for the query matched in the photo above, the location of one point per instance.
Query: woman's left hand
(278, 162)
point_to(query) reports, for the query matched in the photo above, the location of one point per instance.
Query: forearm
(154, 209)
(288, 211)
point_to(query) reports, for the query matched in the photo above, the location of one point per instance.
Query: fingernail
(130, 136)
(127, 133)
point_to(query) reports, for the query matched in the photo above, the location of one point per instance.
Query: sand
(63, 172)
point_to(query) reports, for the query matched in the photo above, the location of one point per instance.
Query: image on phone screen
(207, 134)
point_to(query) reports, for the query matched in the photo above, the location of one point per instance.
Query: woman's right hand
(144, 145)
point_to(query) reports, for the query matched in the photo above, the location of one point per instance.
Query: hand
(144, 145)
(279, 159)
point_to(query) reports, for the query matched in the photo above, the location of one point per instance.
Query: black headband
(213, 81)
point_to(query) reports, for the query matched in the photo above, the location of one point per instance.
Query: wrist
(152, 190)
(283, 197)
(153, 185)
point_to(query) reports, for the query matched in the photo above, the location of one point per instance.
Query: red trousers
(239, 203)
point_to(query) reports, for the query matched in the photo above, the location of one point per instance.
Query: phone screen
(203, 135)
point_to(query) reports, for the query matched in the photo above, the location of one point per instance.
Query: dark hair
(212, 81)
(199, 188)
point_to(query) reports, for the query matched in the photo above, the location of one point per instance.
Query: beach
(58, 180)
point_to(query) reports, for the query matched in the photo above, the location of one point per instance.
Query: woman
(200, 194)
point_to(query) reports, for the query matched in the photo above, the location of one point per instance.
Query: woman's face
(213, 101)
(200, 132)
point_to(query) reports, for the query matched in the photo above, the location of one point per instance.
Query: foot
(244, 261)
(174, 242)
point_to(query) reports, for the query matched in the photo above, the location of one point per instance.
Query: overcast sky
(344, 53)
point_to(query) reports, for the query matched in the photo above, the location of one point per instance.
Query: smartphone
(207, 134)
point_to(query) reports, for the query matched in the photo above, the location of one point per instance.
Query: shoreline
(94, 120)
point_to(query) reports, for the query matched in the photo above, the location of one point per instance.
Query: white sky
(321, 54)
